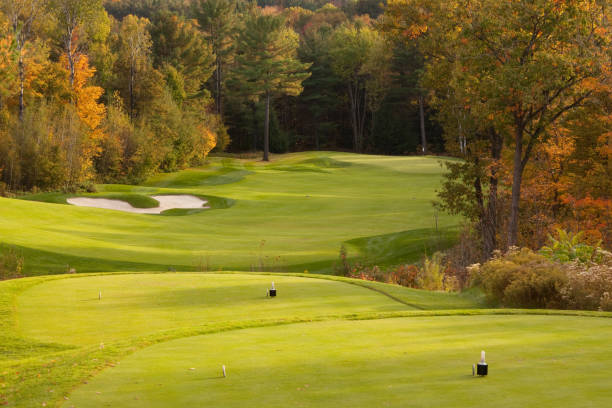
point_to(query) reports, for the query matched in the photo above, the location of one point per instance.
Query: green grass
(324, 341)
(52, 327)
(292, 214)
(544, 361)
(69, 311)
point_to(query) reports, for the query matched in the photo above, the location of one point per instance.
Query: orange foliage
(89, 110)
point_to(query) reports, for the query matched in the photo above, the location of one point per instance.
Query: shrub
(431, 275)
(404, 275)
(344, 267)
(571, 247)
(590, 285)
(521, 278)
(11, 263)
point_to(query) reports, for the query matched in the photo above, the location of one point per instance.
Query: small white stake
(482, 357)
(224, 375)
(473, 370)
(272, 285)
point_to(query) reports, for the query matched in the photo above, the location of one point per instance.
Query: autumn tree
(267, 64)
(138, 81)
(8, 62)
(531, 64)
(361, 58)
(22, 16)
(516, 68)
(78, 21)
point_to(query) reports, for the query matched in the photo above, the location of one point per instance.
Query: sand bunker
(166, 202)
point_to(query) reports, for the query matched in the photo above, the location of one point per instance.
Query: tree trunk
(267, 129)
(353, 98)
(490, 224)
(131, 86)
(362, 118)
(517, 178)
(21, 82)
(218, 87)
(70, 58)
(422, 120)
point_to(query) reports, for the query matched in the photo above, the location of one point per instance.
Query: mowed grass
(543, 361)
(69, 311)
(359, 337)
(159, 339)
(292, 214)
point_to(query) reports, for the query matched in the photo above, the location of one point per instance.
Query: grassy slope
(292, 214)
(69, 311)
(539, 361)
(51, 327)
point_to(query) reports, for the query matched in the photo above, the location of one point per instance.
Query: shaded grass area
(227, 173)
(40, 262)
(403, 247)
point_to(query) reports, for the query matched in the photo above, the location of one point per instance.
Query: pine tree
(267, 64)
(217, 18)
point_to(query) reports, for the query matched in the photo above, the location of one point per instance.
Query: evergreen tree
(217, 19)
(267, 64)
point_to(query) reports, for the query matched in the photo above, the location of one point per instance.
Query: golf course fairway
(292, 214)
(155, 304)
(544, 361)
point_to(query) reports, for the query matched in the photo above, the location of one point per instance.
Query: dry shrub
(589, 286)
(466, 252)
(11, 263)
(404, 275)
(521, 278)
(431, 275)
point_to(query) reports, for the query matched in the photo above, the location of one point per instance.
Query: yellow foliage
(209, 140)
(89, 110)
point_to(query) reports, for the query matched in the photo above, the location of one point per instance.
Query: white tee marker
(224, 374)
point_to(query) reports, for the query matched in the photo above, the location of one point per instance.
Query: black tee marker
(482, 367)
(272, 291)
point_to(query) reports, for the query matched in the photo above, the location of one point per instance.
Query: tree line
(115, 90)
(522, 90)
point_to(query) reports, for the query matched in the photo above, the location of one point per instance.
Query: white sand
(166, 202)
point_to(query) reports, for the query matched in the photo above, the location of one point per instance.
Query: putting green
(292, 214)
(543, 361)
(69, 311)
